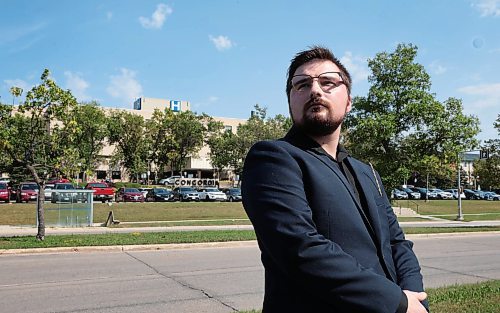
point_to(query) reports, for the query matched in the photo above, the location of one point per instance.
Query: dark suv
(233, 194)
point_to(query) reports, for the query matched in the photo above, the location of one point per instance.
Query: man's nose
(315, 87)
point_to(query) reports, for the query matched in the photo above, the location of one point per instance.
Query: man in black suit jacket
(329, 239)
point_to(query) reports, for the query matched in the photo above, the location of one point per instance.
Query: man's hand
(414, 298)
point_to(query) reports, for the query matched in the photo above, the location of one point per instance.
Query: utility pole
(460, 216)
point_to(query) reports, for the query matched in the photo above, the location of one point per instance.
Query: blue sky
(226, 56)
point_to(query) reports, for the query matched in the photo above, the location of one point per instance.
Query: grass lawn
(24, 214)
(473, 210)
(135, 238)
(474, 298)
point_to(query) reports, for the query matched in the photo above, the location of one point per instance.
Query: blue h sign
(175, 105)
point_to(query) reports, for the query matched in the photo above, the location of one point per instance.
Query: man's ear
(349, 104)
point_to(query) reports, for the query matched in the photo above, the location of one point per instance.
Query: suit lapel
(348, 186)
(367, 184)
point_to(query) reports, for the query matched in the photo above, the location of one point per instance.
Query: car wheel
(231, 199)
(207, 199)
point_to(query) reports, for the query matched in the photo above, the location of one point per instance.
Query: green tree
(258, 127)
(5, 120)
(162, 146)
(34, 137)
(222, 149)
(488, 170)
(188, 132)
(16, 92)
(400, 127)
(127, 132)
(91, 134)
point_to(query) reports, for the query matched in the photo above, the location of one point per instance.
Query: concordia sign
(196, 182)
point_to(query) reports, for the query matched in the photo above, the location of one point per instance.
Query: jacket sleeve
(407, 267)
(275, 201)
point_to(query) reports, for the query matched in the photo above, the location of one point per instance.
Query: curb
(200, 245)
(126, 248)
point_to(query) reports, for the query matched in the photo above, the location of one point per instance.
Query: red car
(126, 194)
(4, 192)
(26, 192)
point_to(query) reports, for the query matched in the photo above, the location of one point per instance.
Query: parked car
(4, 192)
(66, 192)
(169, 180)
(454, 192)
(186, 194)
(472, 194)
(127, 194)
(211, 194)
(233, 194)
(26, 192)
(398, 194)
(482, 194)
(491, 196)
(144, 191)
(159, 195)
(424, 193)
(411, 194)
(102, 191)
(47, 191)
(441, 194)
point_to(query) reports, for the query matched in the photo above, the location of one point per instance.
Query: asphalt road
(202, 279)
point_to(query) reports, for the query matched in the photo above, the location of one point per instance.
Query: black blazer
(320, 250)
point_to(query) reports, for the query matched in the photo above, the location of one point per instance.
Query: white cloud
(213, 99)
(109, 15)
(17, 83)
(486, 95)
(437, 68)
(124, 86)
(8, 35)
(221, 42)
(356, 65)
(77, 85)
(157, 18)
(487, 7)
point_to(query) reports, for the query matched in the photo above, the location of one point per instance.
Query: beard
(318, 124)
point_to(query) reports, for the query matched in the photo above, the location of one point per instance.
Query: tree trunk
(41, 213)
(40, 200)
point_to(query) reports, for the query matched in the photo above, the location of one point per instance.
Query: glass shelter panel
(70, 208)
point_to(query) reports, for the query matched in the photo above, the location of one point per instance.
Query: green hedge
(125, 184)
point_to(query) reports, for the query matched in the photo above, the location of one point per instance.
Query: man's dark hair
(315, 52)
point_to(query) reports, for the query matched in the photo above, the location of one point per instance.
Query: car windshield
(235, 191)
(162, 191)
(99, 185)
(188, 189)
(64, 186)
(3, 186)
(29, 187)
(131, 190)
(212, 190)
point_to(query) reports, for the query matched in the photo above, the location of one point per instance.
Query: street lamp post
(460, 216)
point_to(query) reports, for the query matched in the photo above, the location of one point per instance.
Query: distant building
(196, 166)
